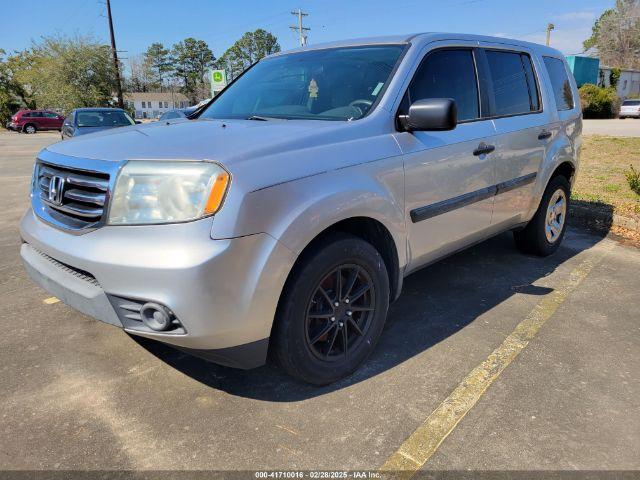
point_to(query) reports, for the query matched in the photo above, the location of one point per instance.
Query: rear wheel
(333, 310)
(544, 233)
(29, 128)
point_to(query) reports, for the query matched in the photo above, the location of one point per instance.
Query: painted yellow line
(416, 450)
(51, 300)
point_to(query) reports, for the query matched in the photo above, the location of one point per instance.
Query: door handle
(544, 135)
(483, 149)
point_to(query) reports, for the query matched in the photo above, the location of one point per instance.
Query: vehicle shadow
(436, 302)
(596, 216)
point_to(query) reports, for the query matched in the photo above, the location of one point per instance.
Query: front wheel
(544, 233)
(332, 311)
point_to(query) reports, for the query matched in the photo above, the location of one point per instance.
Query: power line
(301, 30)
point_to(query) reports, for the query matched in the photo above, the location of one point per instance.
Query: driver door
(449, 178)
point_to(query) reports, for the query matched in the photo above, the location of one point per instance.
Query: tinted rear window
(560, 83)
(448, 74)
(103, 118)
(631, 103)
(514, 88)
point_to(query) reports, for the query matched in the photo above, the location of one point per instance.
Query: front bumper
(635, 114)
(224, 292)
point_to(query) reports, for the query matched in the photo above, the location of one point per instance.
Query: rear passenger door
(522, 128)
(39, 120)
(448, 181)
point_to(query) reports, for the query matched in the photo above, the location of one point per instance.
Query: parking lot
(494, 361)
(615, 128)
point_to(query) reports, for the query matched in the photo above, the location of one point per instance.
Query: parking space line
(416, 450)
(50, 300)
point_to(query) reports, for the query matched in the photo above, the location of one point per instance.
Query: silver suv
(284, 218)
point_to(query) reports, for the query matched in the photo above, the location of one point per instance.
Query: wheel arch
(567, 169)
(372, 231)
(29, 124)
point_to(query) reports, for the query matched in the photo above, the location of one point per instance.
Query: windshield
(333, 84)
(116, 118)
(631, 103)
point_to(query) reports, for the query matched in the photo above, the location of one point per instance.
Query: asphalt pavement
(534, 362)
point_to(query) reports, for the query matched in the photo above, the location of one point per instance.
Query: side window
(514, 88)
(534, 94)
(560, 83)
(448, 74)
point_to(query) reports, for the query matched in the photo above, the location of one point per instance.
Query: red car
(30, 121)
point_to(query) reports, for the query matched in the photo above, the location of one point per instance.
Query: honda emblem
(56, 189)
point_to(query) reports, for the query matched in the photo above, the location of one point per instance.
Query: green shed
(585, 69)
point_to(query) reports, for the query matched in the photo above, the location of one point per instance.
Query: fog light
(156, 317)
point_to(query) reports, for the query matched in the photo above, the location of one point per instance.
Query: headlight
(167, 192)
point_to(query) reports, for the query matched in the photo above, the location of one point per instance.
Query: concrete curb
(603, 215)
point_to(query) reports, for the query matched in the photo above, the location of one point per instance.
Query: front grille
(75, 198)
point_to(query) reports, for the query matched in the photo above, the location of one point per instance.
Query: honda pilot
(281, 222)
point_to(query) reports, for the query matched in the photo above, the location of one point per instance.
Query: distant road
(614, 128)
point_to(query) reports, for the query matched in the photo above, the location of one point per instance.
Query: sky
(138, 23)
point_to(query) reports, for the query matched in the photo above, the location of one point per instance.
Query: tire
(29, 128)
(311, 347)
(544, 233)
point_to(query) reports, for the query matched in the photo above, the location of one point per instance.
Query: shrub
(599, 102)
(614, 77)
(633, 177)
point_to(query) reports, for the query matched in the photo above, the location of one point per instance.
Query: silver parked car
(285, 217)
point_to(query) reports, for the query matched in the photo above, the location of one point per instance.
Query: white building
(628, 84)
(154, 104)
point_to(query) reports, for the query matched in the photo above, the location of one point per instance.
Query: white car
(630, 109)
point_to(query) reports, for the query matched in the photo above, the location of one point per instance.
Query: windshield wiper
(263, 118)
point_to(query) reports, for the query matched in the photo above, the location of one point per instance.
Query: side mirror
(431, 114)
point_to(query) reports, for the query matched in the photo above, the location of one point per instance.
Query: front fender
(296, 212)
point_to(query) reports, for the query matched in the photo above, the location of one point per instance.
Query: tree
(11, 92)
(141, 78)
(65, 73)
(159, 61)
(192, 60)
(616, 35)
(251, 47)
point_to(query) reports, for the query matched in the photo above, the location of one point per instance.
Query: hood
(224, 141)
(261, 153)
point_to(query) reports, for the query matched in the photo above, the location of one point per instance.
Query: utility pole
(550, 27)
(299, 28)
(116, 64)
